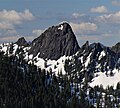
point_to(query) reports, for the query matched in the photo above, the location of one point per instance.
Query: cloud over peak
(10, 18)
(27, 15)
(13, 16)
(110, 18)
(83, 27)
(99, 9)
(77, 15)
(6, 26)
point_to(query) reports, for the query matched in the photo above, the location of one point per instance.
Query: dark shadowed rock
(97, 53)
(21, 42)
(55, 42)
(85, 46)
(116, 48)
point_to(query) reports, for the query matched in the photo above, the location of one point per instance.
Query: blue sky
(93, 20)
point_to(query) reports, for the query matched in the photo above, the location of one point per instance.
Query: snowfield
(101, 78)
(55, 65)
(58, 65)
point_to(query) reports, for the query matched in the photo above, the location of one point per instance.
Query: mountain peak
(116, 48)
(65, 27)
(21, 42)
(55, 42)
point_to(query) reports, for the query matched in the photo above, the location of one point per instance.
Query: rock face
(55, 42)
(116, 48)
(97, 57)
(21, 42)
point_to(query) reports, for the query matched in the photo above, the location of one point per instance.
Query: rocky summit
(21, 42)
(55, 42)
(116, 48)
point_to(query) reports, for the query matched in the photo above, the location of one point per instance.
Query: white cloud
(110, 18)
(6, 26)
(9, 38)
(9, 18)
(77, 15)
(100, 9)
(13, 16)
(37, 32)
(26, 15)
(83, 27)
(116, 3)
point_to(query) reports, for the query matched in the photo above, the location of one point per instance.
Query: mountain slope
(55, 42)
(55, 67)
(21, 42)
(116, 48)
(57, 49)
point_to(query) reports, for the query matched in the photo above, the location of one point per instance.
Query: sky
(92, 20)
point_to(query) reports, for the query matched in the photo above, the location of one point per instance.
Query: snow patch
(88, 60)
(55, 65)
(61, 27)
(15, 48)
(102, 54)
(30, 56)
(101, 78)
(4, 49)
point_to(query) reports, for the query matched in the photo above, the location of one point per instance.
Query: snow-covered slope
(98, 61)
(57, 50)
(100, 78)
(55, 65)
